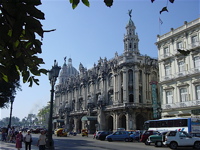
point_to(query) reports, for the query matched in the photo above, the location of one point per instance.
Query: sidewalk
(11, 146)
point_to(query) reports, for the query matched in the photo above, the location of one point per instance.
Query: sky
(87, 33)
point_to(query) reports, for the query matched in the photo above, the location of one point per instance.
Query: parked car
(37, 130)
(96, 134)
(174, 139)
(146, 134)
(157, 139)
(118, 136)
(135, 136)
(102, 135)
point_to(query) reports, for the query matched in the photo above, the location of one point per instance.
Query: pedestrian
(95, 134)
(28, 140)
(42, 141)
(19, 140)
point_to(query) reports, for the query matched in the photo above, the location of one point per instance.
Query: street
(88, 143)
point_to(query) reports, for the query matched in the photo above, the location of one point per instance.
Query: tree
(43, 115)
(7, 89)
(19, 47)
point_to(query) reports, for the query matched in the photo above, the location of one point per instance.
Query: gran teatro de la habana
(118, 93)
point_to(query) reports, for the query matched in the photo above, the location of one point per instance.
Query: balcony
(185, 104)
(127, 105)
(166, 78)
(164, 56)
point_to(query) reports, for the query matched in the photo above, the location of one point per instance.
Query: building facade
(115, 93)
(180, 72)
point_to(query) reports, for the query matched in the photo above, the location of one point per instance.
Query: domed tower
(131, 39)
(67, 71)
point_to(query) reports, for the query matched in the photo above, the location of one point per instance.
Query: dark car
(102, 135)
(146, 134)
(37, 130)
(157, 139)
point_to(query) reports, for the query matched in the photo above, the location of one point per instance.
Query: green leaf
(28, 44)
(33, 11)
(18, 54)
(30, 80)
(44, 71)
(33, 25)
(36, 81)
(10, 33)
(33, 2)
(108, 3)
(172, 1)
(16, 43)
(26, 75)
(5, 77)
(74, 3)
(86, 2)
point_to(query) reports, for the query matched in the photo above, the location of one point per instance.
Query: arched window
(110, 80)
(130, 76)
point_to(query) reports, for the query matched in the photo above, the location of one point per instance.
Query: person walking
(42, 141)
(19, 139)
(28, 140)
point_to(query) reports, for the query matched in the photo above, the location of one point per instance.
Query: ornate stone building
(115, 93)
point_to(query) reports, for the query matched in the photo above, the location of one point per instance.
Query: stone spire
(131, 38)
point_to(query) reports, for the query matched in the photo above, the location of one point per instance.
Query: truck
(174, 139)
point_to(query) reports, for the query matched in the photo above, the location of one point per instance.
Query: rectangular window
(179, 45)
(166, 51)
(167, 70)
(194, 39)
(183, 95)
(181, 66)
(197, 62)
(169, 97)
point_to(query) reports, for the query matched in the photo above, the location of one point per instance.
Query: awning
(89, 118)
(58, 120)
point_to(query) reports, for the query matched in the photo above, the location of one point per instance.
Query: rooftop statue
(129, 13)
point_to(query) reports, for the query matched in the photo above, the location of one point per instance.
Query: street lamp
(11, 101)
(53, 74)
(67, 110)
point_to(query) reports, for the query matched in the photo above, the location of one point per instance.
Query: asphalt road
(88, 143)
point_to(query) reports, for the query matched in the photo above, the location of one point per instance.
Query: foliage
(43, 114)
(19, 24)
(15, 121)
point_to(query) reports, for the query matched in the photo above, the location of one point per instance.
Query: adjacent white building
(179, 75)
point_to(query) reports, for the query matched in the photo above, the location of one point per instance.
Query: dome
(67, 71)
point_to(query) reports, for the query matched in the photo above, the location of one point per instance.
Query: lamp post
(53, 74)
(11, 101)
(67, 110)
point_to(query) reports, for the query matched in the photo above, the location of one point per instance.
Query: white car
(174, 139)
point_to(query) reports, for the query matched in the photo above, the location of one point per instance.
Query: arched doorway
(110, 123)
(140, 122)
(122, 121)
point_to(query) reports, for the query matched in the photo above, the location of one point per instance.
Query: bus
(190, 125)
